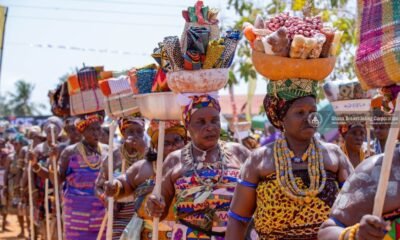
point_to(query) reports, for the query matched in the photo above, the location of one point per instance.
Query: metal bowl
(198, 81)
(159, 106)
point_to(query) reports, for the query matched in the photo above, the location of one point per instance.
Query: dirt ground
(13, 228)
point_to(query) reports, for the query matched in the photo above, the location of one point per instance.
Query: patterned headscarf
(20, 138)
(192, 102)
(282, 94)
(170, 127)
(124, 122)
(345, 127)
(84, 121)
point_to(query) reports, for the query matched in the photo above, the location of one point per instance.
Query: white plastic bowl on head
(198, 81)
(159, 106)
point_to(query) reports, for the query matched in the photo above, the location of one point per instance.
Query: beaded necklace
(82, 150)
(285, 176)
(128, 159)
(208, 185)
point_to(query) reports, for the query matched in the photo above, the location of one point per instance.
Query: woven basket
(198, 81)
(121, 105)
(377, 61)
(280, 68)
(88, 101)
(159, 106)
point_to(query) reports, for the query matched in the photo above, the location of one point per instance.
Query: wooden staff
(110, 178)
(30, 191)
(157, 187)
(387, 162)
(46, 207)
(368, 127)
(57, 196)
(103, 225)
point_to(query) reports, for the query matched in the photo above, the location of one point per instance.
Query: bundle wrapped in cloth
(119, 98)
(293, 47)
(59, 101)
(201, 62)
(84, 92)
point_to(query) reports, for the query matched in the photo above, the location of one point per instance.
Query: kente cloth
(83, 212)
(202, 211)
(277, 217)
(281, 95)
(394, 218)
(141, 193)
(83, 122)
(171, 126)
(124, 122)
(193, 102)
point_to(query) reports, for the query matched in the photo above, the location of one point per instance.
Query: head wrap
(170, 127)
(84, 121)
(20, 138)
(125, 121)
(282, 94)
(33, 132)
(193, 102)
(345, 127)
(55, 121)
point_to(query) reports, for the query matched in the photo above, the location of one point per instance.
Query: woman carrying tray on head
(202, 176)
(289, 185)
(131, 151)
(350, 215)
(79, 165)
(138, 180)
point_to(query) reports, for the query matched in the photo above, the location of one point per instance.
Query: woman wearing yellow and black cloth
(289, 185)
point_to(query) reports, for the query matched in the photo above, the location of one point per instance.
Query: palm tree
(20, 100)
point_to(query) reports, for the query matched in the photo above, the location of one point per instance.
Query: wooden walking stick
(368, 127)
(56, 193)
(30, 191)
(46, 207)
(102, 227)
(387, 161)
(110, 178)
(157, 187)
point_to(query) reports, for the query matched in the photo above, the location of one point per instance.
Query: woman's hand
(155, 206)
(111, 188)
(32, 157)
(372, 228)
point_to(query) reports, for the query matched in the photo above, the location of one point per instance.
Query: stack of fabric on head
(119, 98)
(84, 92)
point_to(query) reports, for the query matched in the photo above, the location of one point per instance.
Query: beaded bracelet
(344, 232)
(119, 186)
(353, 232)
(37, 169)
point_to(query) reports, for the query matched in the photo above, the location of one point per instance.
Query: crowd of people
(294, 186)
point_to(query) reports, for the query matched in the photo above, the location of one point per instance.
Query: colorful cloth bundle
(160, 82)
(214, 52)
(231, 41)
(84, 92)
(197, 39)
(192, 60)
(378, 55)
(88, 101)
(173, 52)
(59, 101)
(113, 86)
(160, 55)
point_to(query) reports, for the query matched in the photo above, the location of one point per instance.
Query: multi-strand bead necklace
(284, 171)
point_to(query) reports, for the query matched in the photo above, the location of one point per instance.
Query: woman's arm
(244, 201)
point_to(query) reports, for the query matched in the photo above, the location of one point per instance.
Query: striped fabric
(122, 215)
(378, 56)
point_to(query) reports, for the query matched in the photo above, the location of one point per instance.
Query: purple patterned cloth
(83, 211)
